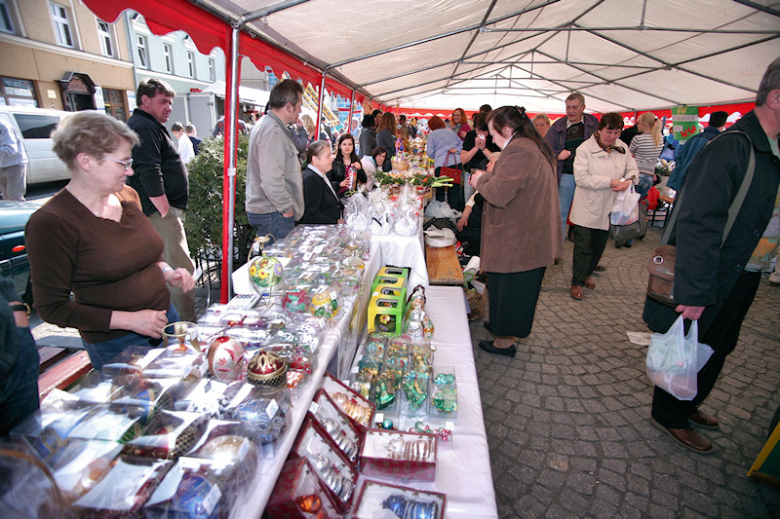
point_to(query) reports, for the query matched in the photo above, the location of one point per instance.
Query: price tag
(314, 407)
(272, 408)
(212, 499)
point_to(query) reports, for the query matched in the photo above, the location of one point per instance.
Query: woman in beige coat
(602, 168)
(521, 225)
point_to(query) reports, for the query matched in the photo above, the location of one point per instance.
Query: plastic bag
(674, 359)
(625, 210)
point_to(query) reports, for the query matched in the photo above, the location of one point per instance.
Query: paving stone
(574, 409)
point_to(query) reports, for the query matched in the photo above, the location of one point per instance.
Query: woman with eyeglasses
(93, 240)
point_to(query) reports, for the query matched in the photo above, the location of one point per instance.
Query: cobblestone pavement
(568, 419)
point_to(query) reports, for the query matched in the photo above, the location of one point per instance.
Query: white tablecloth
(463, 472)
(402, 251)
(464, 469)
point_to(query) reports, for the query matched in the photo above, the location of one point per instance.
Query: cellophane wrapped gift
(27, 487)
(210, 397)
(48, 431)
(226, 454)
(330, 464)
(383, 501)
(300, 494)
(187, 492)
(81, 464)
(337, 425)
(399, 455)
(124, 490)
(144, 398)
(444, 393)
(264, 419)
(169, 435)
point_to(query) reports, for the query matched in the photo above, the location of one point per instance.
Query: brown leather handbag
(660, 285)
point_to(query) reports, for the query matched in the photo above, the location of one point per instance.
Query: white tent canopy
(621, 54)
(245, 94)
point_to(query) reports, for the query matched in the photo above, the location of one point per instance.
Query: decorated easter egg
(264, 273)
(226, 359)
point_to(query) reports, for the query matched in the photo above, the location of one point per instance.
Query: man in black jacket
(160, 178)
(713, 283)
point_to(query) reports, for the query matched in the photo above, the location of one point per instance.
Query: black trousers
(722, 336)
(588, 247)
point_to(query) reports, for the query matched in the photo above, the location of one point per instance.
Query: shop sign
(686, 122)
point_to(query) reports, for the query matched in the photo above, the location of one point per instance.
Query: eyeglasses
(126, 163)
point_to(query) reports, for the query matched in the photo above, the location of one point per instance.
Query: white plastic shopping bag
(674, 359)
(625, 210)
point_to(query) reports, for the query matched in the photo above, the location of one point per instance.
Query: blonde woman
(646, 147)
(541, 124)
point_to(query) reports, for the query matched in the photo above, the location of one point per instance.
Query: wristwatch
(20, 307)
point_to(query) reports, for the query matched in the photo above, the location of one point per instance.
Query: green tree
(203, 223)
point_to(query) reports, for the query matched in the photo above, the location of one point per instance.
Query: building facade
(57, 54)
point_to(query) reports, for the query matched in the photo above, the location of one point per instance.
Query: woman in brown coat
(521, 225)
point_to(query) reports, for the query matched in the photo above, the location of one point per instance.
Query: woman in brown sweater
(521, 225)
(93, 240)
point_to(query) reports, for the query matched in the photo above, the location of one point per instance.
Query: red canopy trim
(206, 30)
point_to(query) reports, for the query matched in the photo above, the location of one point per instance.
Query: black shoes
(488, 347)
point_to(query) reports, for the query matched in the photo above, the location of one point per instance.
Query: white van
(35, 125)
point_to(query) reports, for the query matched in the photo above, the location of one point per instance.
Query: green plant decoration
(203, 223)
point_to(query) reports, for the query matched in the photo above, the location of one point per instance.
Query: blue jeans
(271, 223)
(101, 353)
(19, 392)
(565, 195)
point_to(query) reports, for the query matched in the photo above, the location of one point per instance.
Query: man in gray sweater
(274, 185)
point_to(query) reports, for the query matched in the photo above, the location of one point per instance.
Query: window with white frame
(61, 21)
(168, 54)
(6, 17)
(191, 64)
(211, 70)
(143, 57)
(106, 39)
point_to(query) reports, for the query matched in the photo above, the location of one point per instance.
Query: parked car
(13, 253)
(35, 125)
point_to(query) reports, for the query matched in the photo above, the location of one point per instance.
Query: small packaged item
(263, 419)
(337, 426)
(415, 388)
(380, 500)
(399, 455)
(358, 408)
(184, 493)
(125, 490)
(169, 435)
(300, 494)
(444, 393)
(228, 458)
(81, 464)
(330, 464)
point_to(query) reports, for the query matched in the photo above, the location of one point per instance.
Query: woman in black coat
(321, 203)
(346, 158)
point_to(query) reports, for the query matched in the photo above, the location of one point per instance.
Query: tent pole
(351, 107)
(319, 107)
(231, 147)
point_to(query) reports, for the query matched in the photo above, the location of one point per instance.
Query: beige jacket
(594, 168)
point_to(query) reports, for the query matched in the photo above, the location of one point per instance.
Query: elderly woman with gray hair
(93, 240)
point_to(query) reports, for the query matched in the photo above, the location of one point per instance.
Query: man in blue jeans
(563, 137)
(274, 184)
